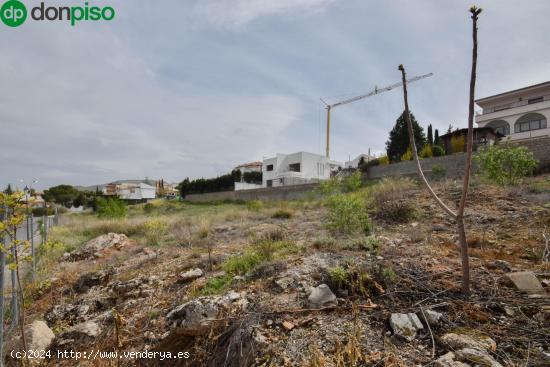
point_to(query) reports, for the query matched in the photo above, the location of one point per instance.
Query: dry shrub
(392, 199)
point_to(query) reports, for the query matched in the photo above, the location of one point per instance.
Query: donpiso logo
(14, 13)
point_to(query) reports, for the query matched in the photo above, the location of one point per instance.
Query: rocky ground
(326, 300)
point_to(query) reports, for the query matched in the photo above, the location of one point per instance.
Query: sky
(192, 88)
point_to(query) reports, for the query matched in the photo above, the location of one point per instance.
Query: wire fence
(35, 231)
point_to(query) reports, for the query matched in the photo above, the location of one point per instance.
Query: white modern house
(354, 163)
(135, 191)
(518, 114)
(297, 168)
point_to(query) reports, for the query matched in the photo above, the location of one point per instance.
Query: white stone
(321, 296)
(405, 325)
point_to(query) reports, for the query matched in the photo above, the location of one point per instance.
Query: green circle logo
(13, 13)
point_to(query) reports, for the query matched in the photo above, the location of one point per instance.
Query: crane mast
(376, 91)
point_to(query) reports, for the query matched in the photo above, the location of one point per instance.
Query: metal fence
(35, 230)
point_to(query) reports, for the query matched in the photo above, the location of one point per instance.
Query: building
(130, 191)
(250, 177)
(359, 159)
(483, 136)
(518, 114)
(297, 168)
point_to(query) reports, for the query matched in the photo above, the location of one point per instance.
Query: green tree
(430, 135)
(398, 142)
(8, 190)
(506, 165)
(437, 140)
(61, 194)
(110, 208)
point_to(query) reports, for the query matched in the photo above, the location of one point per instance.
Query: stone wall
(297, 192)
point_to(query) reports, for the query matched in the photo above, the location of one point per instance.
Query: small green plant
(408, 155)
(438, 151)
(110, 208)
(347, 213)
(325, 243)
(155, 230)
(242, 264)
(506, 165)
(338, 276)
(438, 172)
(254, 205)
(216, 285)
(352, 183)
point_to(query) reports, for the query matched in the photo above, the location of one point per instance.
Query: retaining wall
(296, 192)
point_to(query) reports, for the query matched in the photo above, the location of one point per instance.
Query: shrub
(283, 213)
(426, 152)
(347, 214)
(148, 208)
(216, 285)
(368, 243)
(457, 144)
(438, 151)
(392, 199)
(352, 182)
(242, 264)
(329, 187)
(254, 205)
(506, 165)
(253, 177)
(438, 172)
(154, 230)
(110, 208)
(325, 243)
(384, 160)
(408, 155)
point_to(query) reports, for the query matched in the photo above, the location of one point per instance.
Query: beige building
(519, 114)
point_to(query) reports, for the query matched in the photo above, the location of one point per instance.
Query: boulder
(477, 357)
(88, 280)
(284, 282)
(37, 335)
(321, 296)
(194, 316)
(470, 340)
(84, 332)
(526, 281)
(448, 360)
(405, 325)
(96, 246)
(191, 275)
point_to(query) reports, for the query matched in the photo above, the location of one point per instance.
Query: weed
(325, 243)
(254, 205)
(242, 264)
(347, 214)
(216, 285)
(155, 230)
(392, 200)
(204, 228)
(367, 243)
(283, 213)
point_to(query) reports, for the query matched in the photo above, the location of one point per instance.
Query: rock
(526, 281)
(321, 297)
(80, 333)
(191, 275)
(433, 317)
(194, 316)
(448, 360)
(476, 356)
(96, 246)
(284, 282)
(37, 335)
(134, 288)
(469, 340)
(288, 325)
(405, 325)
(500, 265)
(86, 281)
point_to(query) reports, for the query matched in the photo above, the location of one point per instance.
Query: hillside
(290, 284)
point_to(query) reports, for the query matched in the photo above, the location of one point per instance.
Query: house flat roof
(544, 84)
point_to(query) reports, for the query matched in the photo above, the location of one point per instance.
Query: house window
(535, 100)
(500, 126)
(294, 167)
(269, 167)
(269, 183)
(282, 181)
(529, 122)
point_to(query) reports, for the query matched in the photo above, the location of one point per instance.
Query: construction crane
(376, 91)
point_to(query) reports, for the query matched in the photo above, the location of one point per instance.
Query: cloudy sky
(185, 88)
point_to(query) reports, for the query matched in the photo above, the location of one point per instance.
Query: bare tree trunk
(459, 215)
(21, 294)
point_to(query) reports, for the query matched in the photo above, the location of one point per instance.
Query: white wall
(313, 167)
